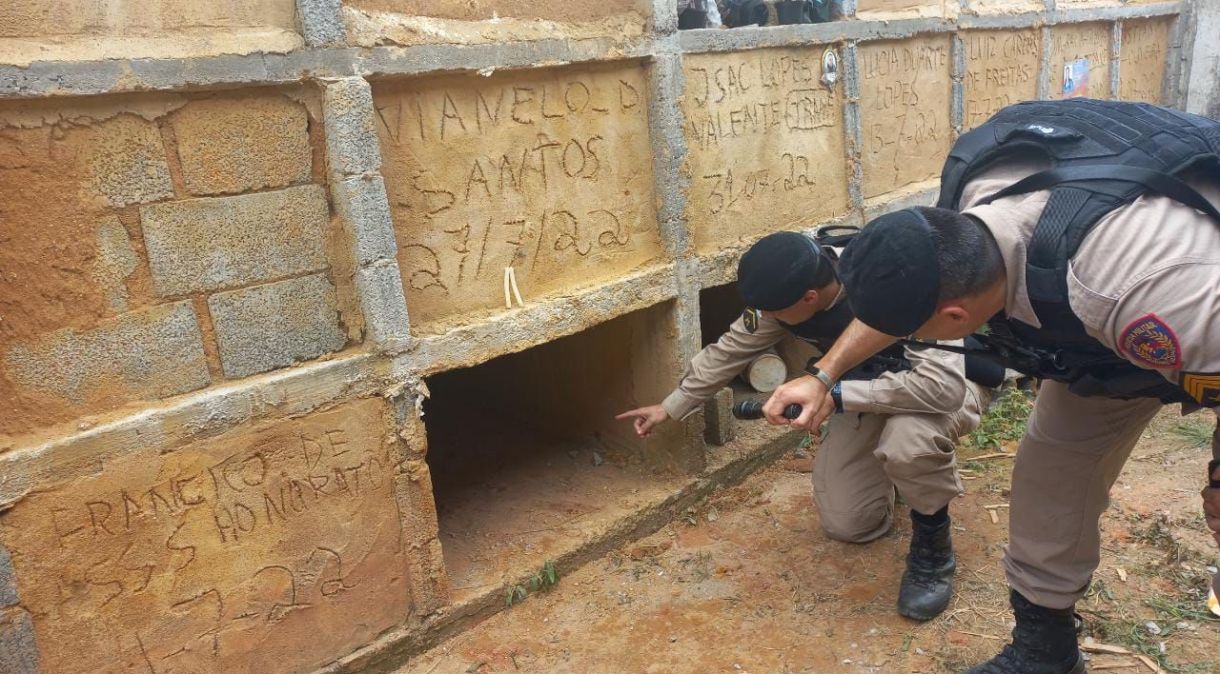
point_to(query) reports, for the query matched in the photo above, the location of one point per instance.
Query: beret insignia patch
(750, 317)
(1149, 340)
(1202, 386)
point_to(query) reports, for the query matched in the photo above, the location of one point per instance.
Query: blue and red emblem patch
(1149, 340)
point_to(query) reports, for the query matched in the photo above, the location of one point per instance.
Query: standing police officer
(1089, 231)
(902, 412)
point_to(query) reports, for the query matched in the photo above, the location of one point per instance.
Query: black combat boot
(927, 584)
(1043, 642)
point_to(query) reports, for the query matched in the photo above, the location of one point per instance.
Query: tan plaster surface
(270, 548)
(871, 9)
(1005, 6)
(765, 141)
(1144, 54)
(1001, 69)
(406, 22)
(904, 109)
(482, 10)
(549, 172)
(36, 30)
(1091, 41)
(234, 144)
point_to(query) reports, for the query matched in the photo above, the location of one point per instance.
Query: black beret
(778, 270)
(891, 273)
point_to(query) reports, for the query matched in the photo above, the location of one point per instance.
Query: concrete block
(547, 171)
(1203, 86)
(1001, 69)
(361, 203)
(151, 353)
(275, 325)
(291, 521)
(905, 90)
(1144, 55)
(766, 144)
(1080, 60)
(126, 161)
(18, 650)
(321, 22)
(239, 144)
(206, 244)
(379, 287)
(8, 583)
(721, 427)
(351, 134)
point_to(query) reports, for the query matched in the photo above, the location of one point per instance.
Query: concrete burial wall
(238, 237)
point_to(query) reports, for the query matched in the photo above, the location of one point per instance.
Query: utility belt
(1087, 372)
(983, 371)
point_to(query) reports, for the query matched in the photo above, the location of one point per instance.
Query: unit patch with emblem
(1202, 386)
(1149, 340)
(750, 318)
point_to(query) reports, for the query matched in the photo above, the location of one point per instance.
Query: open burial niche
(527, 460)
(719, 306)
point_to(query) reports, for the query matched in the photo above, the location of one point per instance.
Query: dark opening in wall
(526, 457)
(719, 307)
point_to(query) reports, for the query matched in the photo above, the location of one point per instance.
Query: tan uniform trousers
(863, 457)
(1071, 455)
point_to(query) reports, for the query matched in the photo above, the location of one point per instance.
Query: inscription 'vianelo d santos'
(550, 173)
(245, 553)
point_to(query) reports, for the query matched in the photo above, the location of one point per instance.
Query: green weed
(1004, 420)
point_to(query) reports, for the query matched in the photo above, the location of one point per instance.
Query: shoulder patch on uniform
(1202, 386)
(750, 318)
(1148, 339)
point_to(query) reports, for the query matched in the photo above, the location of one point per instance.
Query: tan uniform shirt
(936, 383)
(1145, 281)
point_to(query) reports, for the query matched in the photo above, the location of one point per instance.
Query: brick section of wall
(128, 163)
(230, 145)
(8, 584)
(18, 651)
(207, 244)
(153, 353)
(275, 325)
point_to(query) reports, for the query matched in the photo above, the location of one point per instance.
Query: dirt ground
(747, 583)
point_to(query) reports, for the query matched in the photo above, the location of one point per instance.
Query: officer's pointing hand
(811, 394)
(646, 418)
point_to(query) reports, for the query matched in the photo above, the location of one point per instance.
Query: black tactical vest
(1104, 154)
(825, 327)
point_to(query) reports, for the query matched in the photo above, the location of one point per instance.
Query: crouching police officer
(902, 412)
(1088, 232)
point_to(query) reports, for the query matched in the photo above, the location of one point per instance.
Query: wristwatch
(836, 394)
(821, 375)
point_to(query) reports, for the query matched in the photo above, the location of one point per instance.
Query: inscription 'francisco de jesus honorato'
(548, 172)
(246, 553)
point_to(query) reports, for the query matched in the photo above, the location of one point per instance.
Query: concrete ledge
(519, 329)
(390, 651)
(84, 78)
(735, 39)
(207, 413)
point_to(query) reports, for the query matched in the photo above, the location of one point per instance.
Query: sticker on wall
(830, 68)
(1076, 78)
